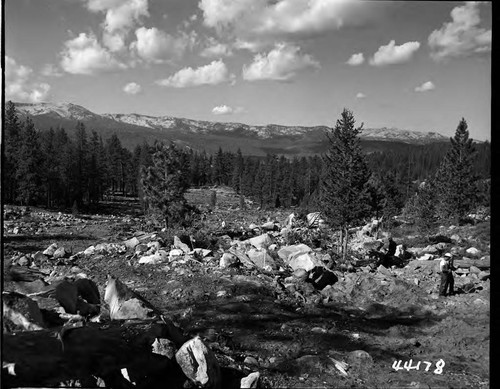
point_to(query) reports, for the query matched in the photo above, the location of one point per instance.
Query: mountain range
(133, 129)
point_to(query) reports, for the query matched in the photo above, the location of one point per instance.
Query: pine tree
(237, 172)
(344, 186)
(29, 164)
(11, 150)
(456, 183)
(80, 171)
(164, 184)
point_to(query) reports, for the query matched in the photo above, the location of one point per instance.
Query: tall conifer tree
(455, 181)
(344, 190)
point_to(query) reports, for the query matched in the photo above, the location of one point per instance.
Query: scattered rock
(250, 381)
(89, 251)
(175, 254)
(426, 257)
(60, 253)
(124, 303)
(483, 275)
(164, 347)
(361, 357)
(269, 226)
(301, 274)
(261, 258)
(286, 252)
(49, 251)
(261, 241)
(251, 361)
(473, 251)
(153, 259)
(66, 294)
(306, 261)
(131, 243)
(321, 277)
(228, 260)
(178, 244)
(199, 364)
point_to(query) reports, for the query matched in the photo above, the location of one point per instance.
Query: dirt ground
(253, 325)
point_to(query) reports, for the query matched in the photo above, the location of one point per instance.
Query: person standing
(447, 282)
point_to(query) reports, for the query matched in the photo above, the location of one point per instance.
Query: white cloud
(462, 36)
(84, 55)
(216, 49)
(214, 73)
(280, 64)
(426, 86)
(392, 54)
(154, 45)
(264, 18)
(360, 95)
(222, 110)
(356, 59)
(18, 84)
(132, 88)
(120, 17)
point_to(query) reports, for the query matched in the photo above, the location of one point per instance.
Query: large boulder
(250, 381)
(321, 277)
(80, 296)
(20, 313)
(287, 252)
(261, 258)
(124, 303)
(199, 364)
(49, 251)
(260, 241)
(154, 259)
(131, 243)
(306, 261)
(228, 260)
(474, 252)
(178, 244)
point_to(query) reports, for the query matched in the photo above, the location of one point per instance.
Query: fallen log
(467, 263)
(38, 358)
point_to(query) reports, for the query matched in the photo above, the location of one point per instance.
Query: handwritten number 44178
(408, 365)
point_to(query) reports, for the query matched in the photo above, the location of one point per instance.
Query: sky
(413, 65)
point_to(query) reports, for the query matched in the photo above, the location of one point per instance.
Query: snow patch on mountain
(76, 112)
(63, 110)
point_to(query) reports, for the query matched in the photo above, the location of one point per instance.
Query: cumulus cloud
(153, 45)
(132, 88)
(19, 85)
(392, 54)
(360, 95)
(462, 36)
(214, 73)
(263, 18)
(226, 110)
(216, 49)
(426, 86)
(121, 16)
(356, 59)
(280, 64)
(85, 55)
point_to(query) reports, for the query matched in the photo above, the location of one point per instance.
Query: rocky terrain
(245, 298)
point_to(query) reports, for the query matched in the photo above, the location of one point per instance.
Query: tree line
(55, 169)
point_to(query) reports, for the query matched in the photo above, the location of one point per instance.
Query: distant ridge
(209, 135)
